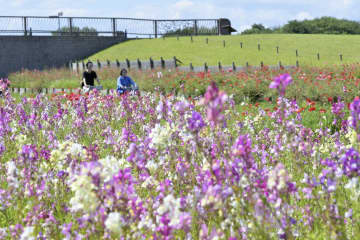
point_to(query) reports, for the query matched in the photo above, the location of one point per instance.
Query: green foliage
(258, 29)
(324, 25)
(77, 31)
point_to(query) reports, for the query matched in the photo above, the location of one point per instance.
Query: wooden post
(261, 64)
(247, 64)
(151, 63)
(206, 68)
(297, 63)
(280, 66)
(175, 62)
(25, 26)
(107, 91)
(297, 53)
(207, 41)
(83, 65)
(191, 38)
(318, 56)
(233, 66)
(220, 67)
(117, 63)
(277, 49)
(139, 64)
(46, 90)
(341, 57)
(77, 66)
(99, 64)
(259, 48)
(162, 62)
(224, 43)
(191, 67)
(128, 63)
(108, 63)
(241, 44)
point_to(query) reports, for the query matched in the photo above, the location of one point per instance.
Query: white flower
(28, 234)
(111, 166)
(160, 136)
(84, 198)
(171, 206)
(114, 223)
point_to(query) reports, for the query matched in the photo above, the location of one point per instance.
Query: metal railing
(101, 26)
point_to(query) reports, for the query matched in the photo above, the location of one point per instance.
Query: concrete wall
(39, 52)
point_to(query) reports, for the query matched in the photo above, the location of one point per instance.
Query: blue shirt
(125, 82)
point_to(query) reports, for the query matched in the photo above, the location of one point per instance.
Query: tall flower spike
(281, 82)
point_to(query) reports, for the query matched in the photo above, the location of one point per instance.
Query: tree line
(323, 25)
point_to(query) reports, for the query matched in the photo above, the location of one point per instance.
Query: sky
(242, 13)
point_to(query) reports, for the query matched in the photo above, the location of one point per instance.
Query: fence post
(155, 29)
(77, 66)
(233, 66)
(191, 67)
(341, 57)
(71, 26)
(151, 63)
(259, 46)
(108, 62)
(318, 56)
(25, 26)
(297, 54)
(98, 64)
(114, 26)
(139, 64)
(207, 41)
(297, 63)
(206, 68)
(175, 62)
(220, 67)
(241, 44)
(247, 64)
(224, 43)
(83, 65)
(117, 63)
(128, 63)
(162, 62)
(280, 66)
(218, 27)
(261, 64)
(195, 27)
(277, 49)
(191, 37)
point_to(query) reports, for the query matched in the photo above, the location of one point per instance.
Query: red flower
(312, 109)
(330, 99)
(322, 110)
(300, 110)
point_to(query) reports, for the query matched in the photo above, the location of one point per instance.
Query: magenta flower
(281, 82)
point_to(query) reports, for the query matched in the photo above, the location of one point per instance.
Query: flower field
(251, 85)
(160, 166)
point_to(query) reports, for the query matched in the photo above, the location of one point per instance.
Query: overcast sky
(242, 13)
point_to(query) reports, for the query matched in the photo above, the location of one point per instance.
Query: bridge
(33, 42)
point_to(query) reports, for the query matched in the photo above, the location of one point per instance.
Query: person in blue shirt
(125, 83)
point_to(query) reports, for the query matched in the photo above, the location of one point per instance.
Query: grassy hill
(198, 52)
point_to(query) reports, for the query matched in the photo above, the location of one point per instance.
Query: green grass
(198, 52)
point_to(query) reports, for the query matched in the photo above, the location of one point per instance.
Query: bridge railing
(101, 26)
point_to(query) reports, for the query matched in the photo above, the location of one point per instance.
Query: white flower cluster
(160, 136)
(114, 223)
(12, 174)
(28, 234)
(84, 197)
(171, 206)
(111, 166)
(59, 155)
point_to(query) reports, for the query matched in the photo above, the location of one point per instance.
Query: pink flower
(280, 82)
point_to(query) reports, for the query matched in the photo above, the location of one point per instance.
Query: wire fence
(88, 26)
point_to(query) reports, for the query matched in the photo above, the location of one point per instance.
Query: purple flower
(355, 114)
(351, 163)
(195, 123)
(281, 82)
